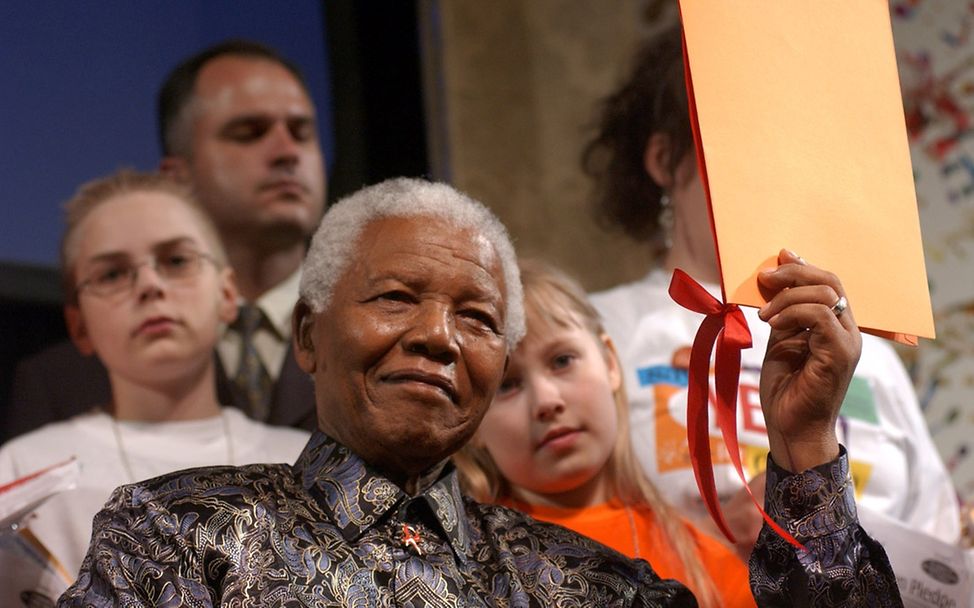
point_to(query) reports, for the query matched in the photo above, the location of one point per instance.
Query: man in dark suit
(235, 121)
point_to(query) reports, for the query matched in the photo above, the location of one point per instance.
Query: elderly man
(410, 304)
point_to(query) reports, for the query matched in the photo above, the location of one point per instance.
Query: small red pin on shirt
(410, 538)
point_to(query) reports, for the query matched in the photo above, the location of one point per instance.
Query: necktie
(252, 379)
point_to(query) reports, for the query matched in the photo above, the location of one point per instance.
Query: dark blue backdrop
(77, 98)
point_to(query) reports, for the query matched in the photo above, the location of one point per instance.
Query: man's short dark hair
(177, 90)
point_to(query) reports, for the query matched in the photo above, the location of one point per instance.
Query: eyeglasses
(111, 278)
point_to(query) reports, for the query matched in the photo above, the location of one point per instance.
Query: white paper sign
(929, 572)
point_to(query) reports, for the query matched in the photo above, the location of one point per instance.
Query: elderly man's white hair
(334, 244)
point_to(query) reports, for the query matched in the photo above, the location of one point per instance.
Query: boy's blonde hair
(554, 300)
(93, 194)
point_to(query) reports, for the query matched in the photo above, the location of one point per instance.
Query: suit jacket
(60, 382)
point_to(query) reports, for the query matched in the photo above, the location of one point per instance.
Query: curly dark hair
(653, 100)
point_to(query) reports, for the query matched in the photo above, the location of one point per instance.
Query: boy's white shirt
(63, 523)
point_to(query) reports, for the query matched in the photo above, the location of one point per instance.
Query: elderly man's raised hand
(812, 353)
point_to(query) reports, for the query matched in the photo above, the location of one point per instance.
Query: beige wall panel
(513, 85)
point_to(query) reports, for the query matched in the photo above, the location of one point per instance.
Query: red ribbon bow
(725, 324)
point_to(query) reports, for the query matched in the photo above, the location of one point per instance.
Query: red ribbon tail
(724, 324)
(698, 422)
(729, 358)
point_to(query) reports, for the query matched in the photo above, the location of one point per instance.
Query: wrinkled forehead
(432, 243)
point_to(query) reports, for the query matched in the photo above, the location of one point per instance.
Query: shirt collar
(278, 302)
(357, 497)
(445, 499)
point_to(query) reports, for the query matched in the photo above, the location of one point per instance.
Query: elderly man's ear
(302, 324)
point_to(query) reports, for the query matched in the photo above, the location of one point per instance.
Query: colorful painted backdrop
(935, 48)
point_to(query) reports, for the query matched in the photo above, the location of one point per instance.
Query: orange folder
(800, 125)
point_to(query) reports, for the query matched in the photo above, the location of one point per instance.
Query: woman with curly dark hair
(647, 184)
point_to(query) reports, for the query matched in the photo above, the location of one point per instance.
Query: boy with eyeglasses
(148, 290)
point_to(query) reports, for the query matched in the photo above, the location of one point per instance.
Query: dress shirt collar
(357, 497)
(278, 303)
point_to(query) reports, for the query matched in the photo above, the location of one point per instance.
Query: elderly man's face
(410, 351)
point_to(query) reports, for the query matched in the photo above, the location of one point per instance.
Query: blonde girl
(555, 444)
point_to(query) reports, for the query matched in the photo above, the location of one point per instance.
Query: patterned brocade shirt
(331, 531)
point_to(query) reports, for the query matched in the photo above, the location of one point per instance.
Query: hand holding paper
(809, 363)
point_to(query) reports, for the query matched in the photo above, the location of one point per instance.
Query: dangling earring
(665, 221)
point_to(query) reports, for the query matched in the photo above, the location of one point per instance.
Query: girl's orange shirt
(610, 525)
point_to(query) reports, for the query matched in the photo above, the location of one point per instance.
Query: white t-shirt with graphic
(895, 466)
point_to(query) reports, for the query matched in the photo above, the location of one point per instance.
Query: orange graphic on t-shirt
(672, 452)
